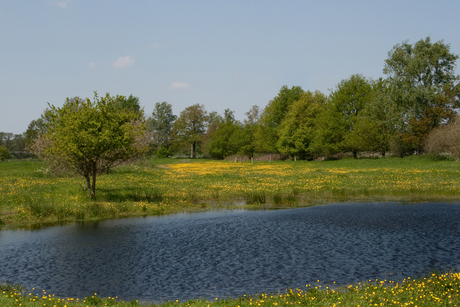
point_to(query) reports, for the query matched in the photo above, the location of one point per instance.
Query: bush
(445, 140)
(4, 153)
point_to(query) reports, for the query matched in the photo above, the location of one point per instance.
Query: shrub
(445, 140)
(4, 153)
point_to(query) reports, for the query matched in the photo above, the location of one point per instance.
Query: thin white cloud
(180, 86)
(93, 65)
(123, 62)
(61, 3)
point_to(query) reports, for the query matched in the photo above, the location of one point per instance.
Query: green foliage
(247, 136)
(377, 122)
(4, 153)
(273, 115)
(341, 113)
(225, 140)
(92, 136)
(161, 124)
(130, 103)
(299, 125)
(214, 118)
(424, 85)
(15, 145)
(190, 126)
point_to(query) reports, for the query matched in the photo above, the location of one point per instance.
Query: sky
(222, 54)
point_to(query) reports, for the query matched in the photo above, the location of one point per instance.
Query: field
(434, 290)
(30, 197)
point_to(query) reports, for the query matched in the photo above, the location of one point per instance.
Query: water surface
(217, 254)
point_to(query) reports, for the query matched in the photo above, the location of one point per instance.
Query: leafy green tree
(272, 116)
(341, 113)
(424, 85)
(91, 136)
(225, 140)
(298, 128)
(6, 140)
(247, 136)
(190, 127)
(4, 153)
(377, 122)
(161, 124)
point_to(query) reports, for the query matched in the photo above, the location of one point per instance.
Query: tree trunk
(93, 186)
(88, 182)
(193, 149)
(355, 154)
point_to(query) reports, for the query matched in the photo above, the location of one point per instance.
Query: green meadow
(31, 197)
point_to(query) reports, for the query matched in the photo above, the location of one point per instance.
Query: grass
(434, 290)
(30, 197)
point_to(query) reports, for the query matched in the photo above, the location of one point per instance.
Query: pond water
(231, 253)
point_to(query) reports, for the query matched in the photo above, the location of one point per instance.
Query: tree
(91, 136)
(424, 85)
(225, 140)
(6, 140)
(341, 113)
(272, 116)
(248, 141)
(298, 128)
(377, 122)
(161, 124)
(190, 126)
(4, 153)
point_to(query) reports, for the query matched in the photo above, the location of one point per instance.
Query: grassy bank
(434, 290)
(30, 196)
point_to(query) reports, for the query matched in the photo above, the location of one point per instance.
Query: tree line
(419, 95)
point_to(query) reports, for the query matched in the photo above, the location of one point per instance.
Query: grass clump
(256, 197)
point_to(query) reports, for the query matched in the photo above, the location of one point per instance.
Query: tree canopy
(91, 136)
(190, 126)
(424, 84)
(297, 130)
(161, 124)
(273, 115)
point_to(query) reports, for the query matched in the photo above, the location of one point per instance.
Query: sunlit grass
(28, 195)
(433, 290)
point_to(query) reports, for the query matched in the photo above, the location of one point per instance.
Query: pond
(231, 253)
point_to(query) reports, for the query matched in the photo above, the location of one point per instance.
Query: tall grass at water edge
(30, 196)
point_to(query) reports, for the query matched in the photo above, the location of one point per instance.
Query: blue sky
(223, 54)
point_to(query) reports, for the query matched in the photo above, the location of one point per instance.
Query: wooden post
(236, 160)
(252, 161)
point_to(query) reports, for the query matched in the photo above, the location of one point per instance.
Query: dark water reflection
(234, 253)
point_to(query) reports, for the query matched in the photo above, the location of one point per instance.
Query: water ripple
(219, 254)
